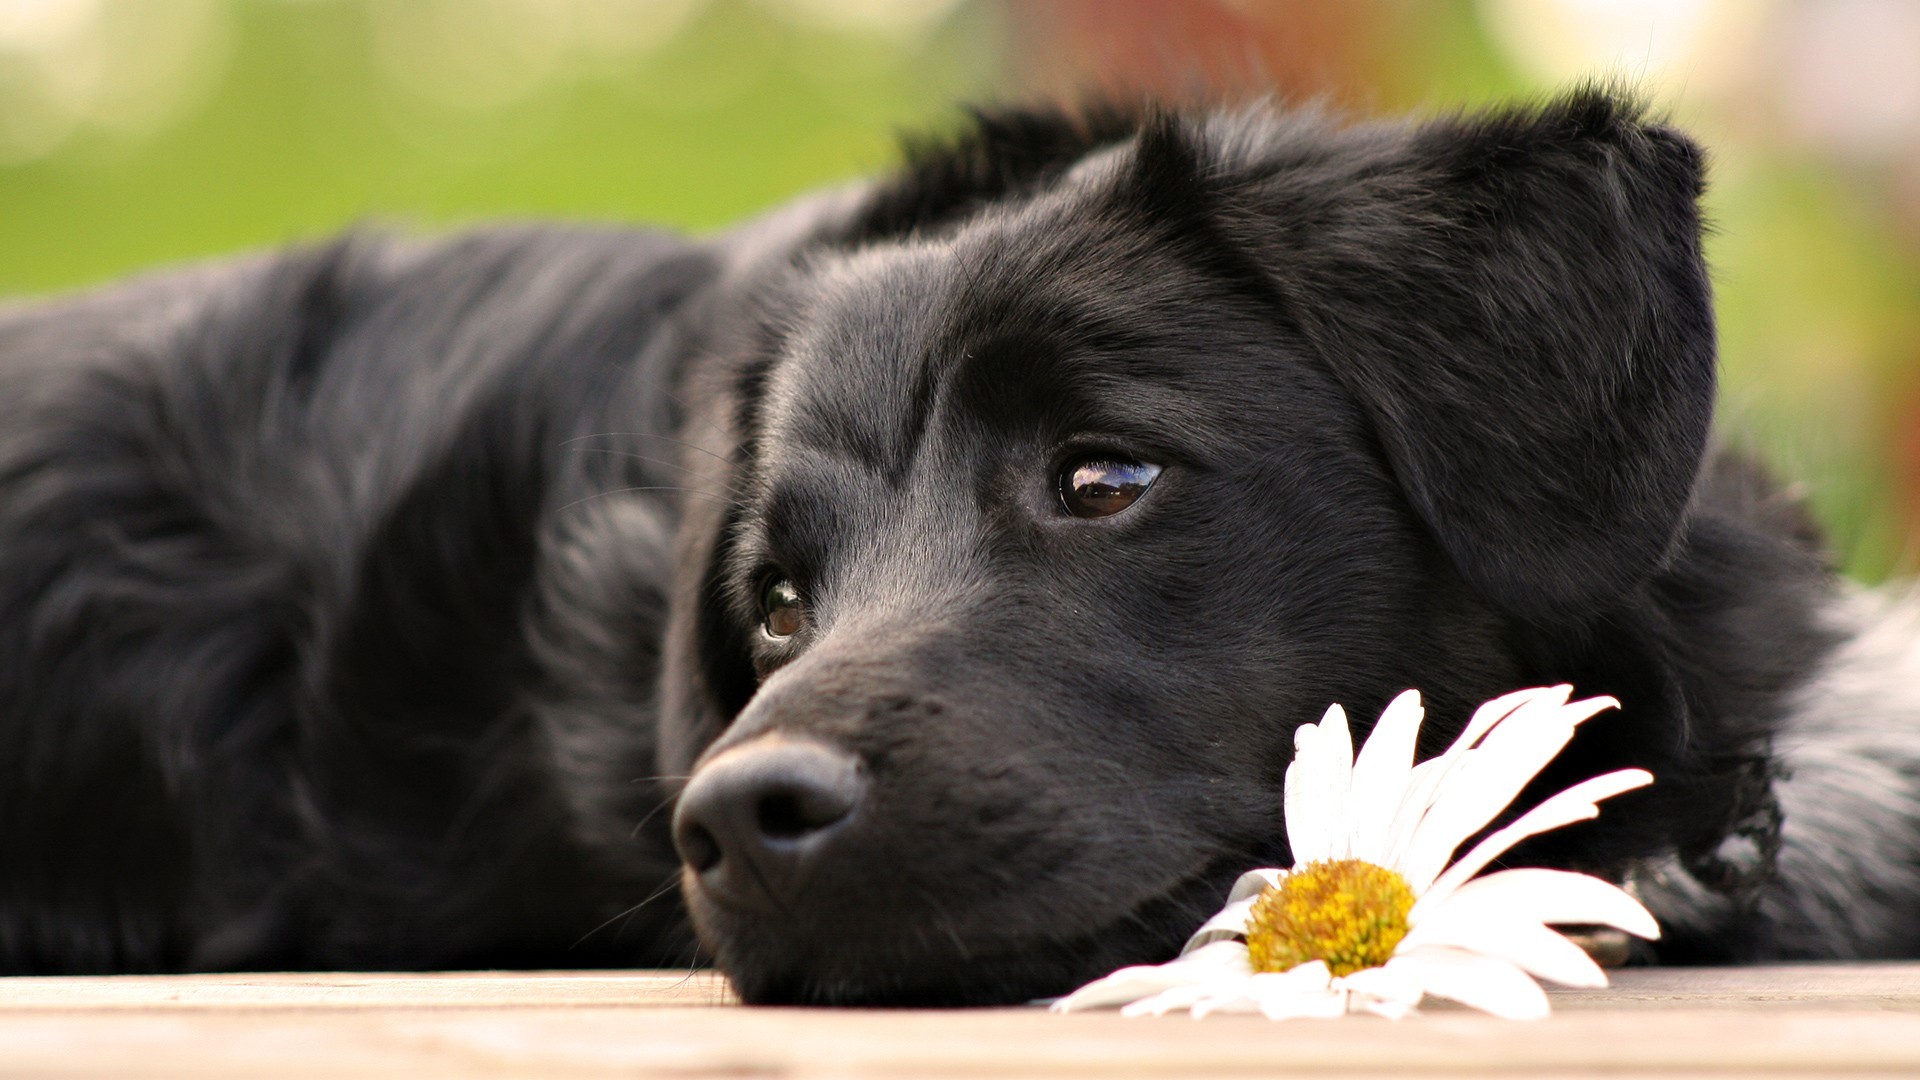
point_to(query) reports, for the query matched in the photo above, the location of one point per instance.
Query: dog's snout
(753, 821)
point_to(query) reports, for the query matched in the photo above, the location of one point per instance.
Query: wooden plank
(1892, 986)
(600, 1041)
(1781, 1021)
(333, 990)
(1869, 986)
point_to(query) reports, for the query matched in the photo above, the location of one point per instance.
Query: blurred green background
(135, 133)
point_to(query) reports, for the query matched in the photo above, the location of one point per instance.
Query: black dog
(973, 540)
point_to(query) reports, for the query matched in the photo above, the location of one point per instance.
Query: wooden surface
(1778, 1021)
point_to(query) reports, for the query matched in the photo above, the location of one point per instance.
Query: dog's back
(266, 535)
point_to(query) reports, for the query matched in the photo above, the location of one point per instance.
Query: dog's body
(367, 607)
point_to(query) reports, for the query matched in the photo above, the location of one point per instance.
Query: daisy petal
(1318, 783)
(1312, 975)
(1231, 921)
(1300, 992)
(1383, 991)
(1304, 819)
(1421, 782)
(1303, 991)
(1495, 712)
(1392, 1010)
(1159, 1004)
(1128, 986)
(1578, 803)
(1481, 982)
(1550, 896)
(1488, 778)
(1380, 776)
(1221, 997)
(1424, 782)
(1254, 882)
(1228, 922)
(1211, 964)
(1336, 742)
(1323, 1005)
(1519, 941)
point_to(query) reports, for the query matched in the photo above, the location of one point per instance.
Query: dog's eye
(1101, 487)
(781, 616)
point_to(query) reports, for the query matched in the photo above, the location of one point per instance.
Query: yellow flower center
(1344, 911)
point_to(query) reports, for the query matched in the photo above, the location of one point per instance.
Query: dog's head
(1074, 469)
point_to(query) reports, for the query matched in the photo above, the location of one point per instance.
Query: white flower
(1372, 917)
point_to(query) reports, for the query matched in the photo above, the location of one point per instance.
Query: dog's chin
(781, 962)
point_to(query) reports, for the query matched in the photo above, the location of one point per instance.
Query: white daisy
(1372, 917)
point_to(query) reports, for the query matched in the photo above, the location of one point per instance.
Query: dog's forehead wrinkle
(926, 505)
(1080, 273)
(862, 365)
(893, 328)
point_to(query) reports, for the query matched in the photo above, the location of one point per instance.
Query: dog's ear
(1519, 303)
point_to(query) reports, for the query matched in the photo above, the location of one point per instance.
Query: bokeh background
(135, 133)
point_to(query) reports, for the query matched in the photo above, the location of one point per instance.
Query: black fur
(366, 606)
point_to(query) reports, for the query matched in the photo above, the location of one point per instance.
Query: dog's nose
(753, 821)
